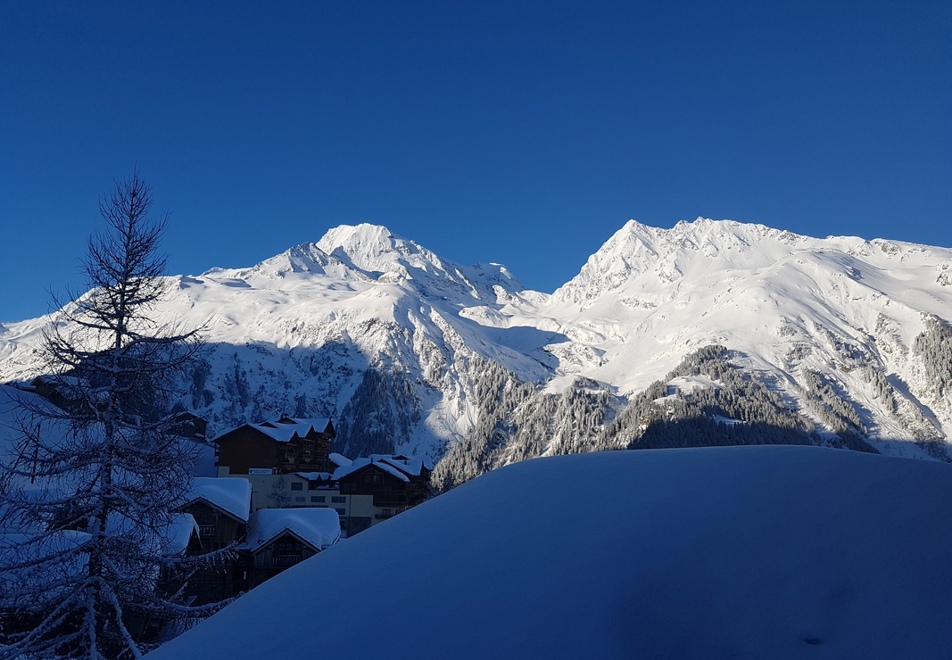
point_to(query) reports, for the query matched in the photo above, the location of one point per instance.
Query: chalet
(186, 424)
(396, 482)
(282, 446)
(221, 508)
(280, 538)
(363, 492)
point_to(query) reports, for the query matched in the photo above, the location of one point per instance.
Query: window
(337, 499)
(297, 485)
(298, 499)
(341, 512)
(318, 498)
(312, 485)
(206, 530)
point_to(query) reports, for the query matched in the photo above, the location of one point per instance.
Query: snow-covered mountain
(711, 328)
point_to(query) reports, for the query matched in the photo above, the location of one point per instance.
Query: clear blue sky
(518, 132)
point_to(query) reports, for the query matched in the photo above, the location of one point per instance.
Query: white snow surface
(176, 538)
(741, 552)
(317, 526)
(232, 495)
(400, 467)
(281, 431)
(14, 417)
(315, 318)
(339, 460)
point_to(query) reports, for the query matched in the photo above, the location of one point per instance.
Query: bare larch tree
(88, 501)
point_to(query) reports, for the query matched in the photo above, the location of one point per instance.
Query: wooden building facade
(282, 446)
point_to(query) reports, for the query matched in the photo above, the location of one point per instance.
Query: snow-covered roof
(53, 554)
(398, 465)
(38, 546)
(16, 410)
(339, 459)
(361, 463)
(175, 539)
(230, 494)
(282, 430)
(318, 527)
(167, 536)
(172, 539)
(411, 465)
(314, 476)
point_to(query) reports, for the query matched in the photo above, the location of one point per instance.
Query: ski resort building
(275, 447)
(395, 482)
(221, 508)
(263, 543)
(363, 492)
(280, 538)
(289, 465)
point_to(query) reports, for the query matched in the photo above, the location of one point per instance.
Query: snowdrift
(749, 552)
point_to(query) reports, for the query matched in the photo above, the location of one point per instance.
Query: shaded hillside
(746, 552)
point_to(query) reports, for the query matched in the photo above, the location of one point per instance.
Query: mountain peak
(375, 250)
(637, 249)
(354, 240)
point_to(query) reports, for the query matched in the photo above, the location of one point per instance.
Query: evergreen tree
(94, 505)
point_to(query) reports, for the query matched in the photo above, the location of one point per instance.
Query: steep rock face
(712, 329)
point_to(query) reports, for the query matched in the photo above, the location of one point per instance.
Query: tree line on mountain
(934, 347)
(517, 421)
(381, 414)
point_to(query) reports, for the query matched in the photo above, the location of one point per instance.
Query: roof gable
(317, 527)
(230, 495)
(399, 466)
(284, 429)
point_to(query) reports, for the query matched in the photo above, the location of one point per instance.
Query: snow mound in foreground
(761, 551)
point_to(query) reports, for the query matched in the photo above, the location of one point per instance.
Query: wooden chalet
(282, 446)
(395, 481)
(186, 424)
(221, 508)
(280, 538)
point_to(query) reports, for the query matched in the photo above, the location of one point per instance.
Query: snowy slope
(409, 352)
(300, 333)
(785, 303)
(745, 552)
(650, 295)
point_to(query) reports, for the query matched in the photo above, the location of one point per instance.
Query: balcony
(283, 561)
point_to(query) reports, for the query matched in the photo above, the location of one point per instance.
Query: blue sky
(524, 133)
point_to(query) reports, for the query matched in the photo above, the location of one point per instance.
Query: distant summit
(710, 332)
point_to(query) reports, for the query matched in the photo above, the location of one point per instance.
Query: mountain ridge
(415, 353)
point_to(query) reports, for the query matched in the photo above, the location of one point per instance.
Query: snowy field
(739, 552)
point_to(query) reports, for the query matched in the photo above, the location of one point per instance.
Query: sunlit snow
(315, 318)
